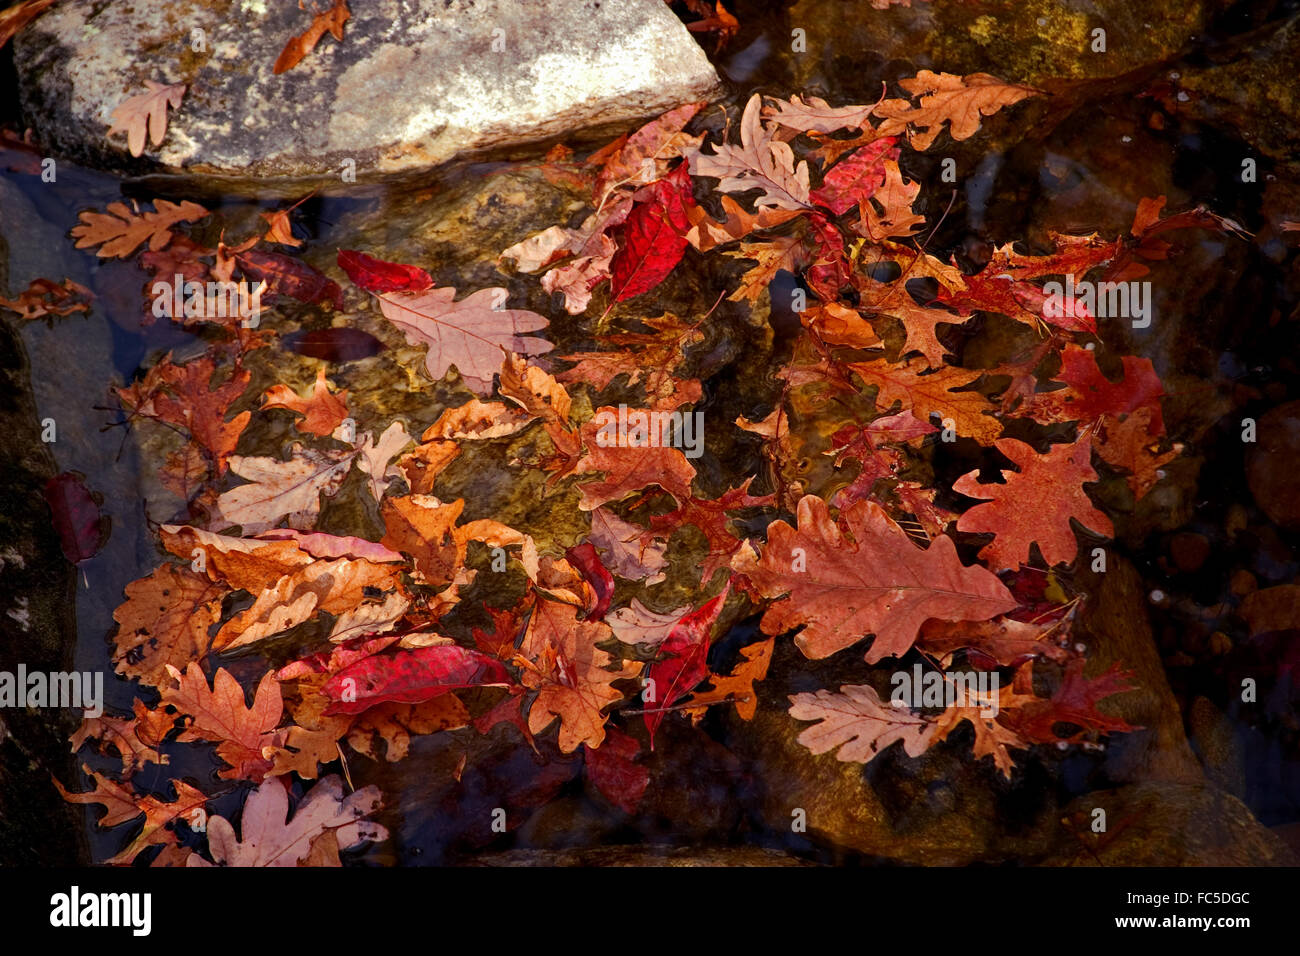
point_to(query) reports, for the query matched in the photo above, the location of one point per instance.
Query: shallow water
(1223, 344)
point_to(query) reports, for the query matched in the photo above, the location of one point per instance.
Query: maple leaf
(815, 115)
(1089, 394)
(709, 517)
(650, 358)
(1074, 702)
(894, 197)
(146, 112)
(867, 578)
(279, 489)
(858, 723)
(411, 677)
(576, 687)
(43, 298)
(322, 411)
(376, 275)
(682, 661)
(119, 231)
(992, 739)
(738, 686)
(165, 621)
(136, 739)
(268, 836)
(472, 334)
(959, 101)
(1126, 443)
(218, 714)
(758, 162)
(627, 468)
(628, 552)
(1054, 482)
(932, 393)
(299, 46)
(124, 805)
(652, 238)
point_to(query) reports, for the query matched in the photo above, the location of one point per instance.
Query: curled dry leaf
(325, 21)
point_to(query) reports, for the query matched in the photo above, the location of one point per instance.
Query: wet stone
(413, 84)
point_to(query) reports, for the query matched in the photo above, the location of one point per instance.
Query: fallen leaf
(858, 723)
(165, 621)
(376, 275)
(1054, 482)
(473, 334)
(411, 677)
(282, 489)
(119, 231)
(862, 576)
(146, 112)
(322, 411)
(299, 46)
(959, 101)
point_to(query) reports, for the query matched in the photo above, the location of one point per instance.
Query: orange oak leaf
(165, 621)
(330, 21)
(630, 458)
(772, 255)
(1054, 483)
(120, 230)
(422, 466)
(473, 334)
(322, 411)
(146, 112)
(992, 739)
(1125, 443)
(218, 714)
(577, 686)
(932, 393)
(120, 802)
(395, 724)
(863, 575)
(858, 723)
(959, 101)
(247, 564)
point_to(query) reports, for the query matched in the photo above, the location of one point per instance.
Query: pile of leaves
(865, 562)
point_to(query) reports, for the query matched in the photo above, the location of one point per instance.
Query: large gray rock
(413, 84)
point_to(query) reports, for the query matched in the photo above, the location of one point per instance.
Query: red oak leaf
(1054, 484)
